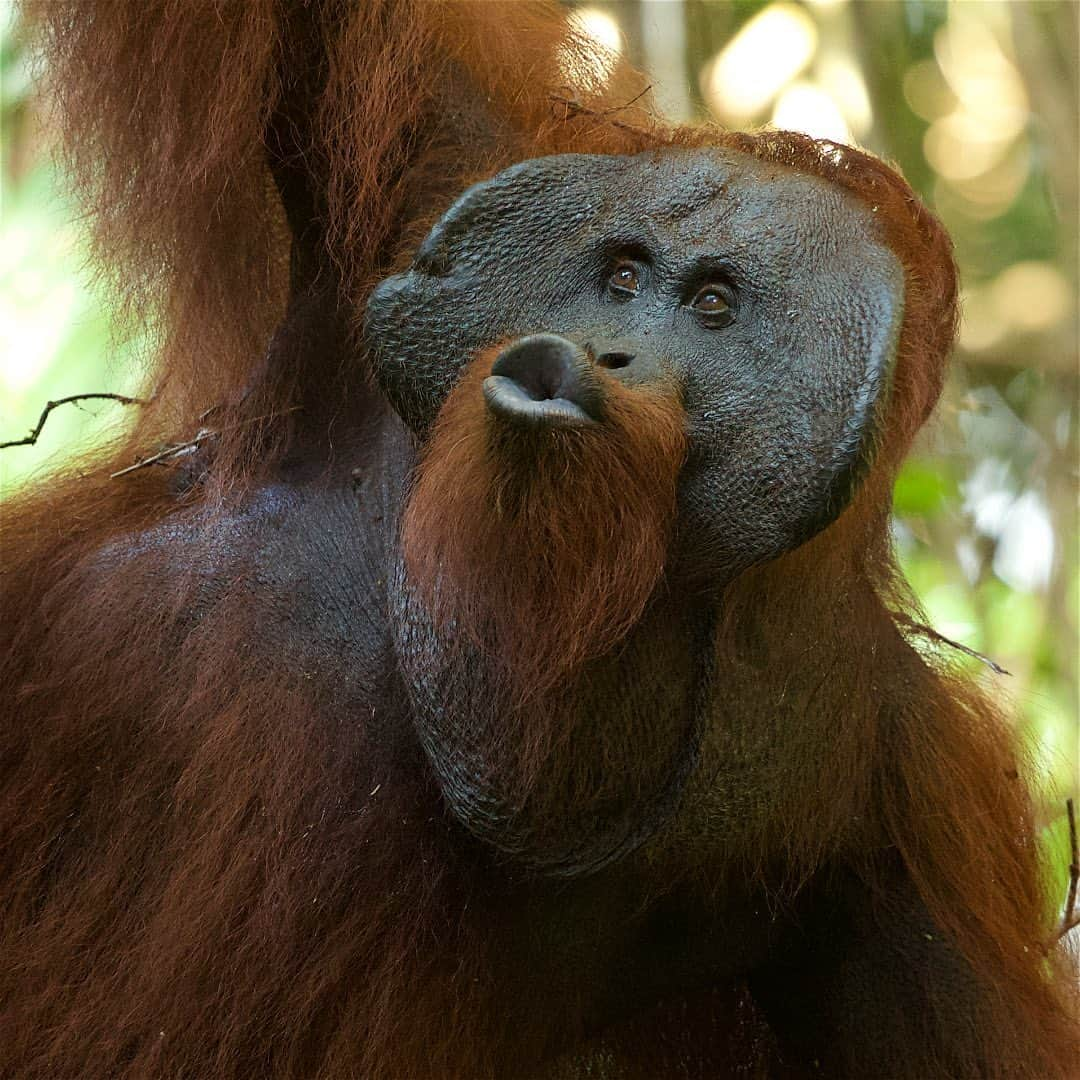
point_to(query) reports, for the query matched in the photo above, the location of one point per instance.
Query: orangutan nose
(544, 381)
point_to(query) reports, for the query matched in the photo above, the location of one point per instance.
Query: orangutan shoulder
(290, 567)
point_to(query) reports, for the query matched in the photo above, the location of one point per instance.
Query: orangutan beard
(541, 548)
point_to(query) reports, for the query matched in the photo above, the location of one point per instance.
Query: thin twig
(575, 108)
(930, 632)
(1070, 920)
(74, 399)
(178, 449)
(626, 104)
(168, 452)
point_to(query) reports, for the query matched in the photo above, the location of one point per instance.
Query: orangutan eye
(714, 304)
(625, 280)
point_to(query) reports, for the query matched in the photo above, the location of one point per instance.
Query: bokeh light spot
(763, 57)
(809, 109)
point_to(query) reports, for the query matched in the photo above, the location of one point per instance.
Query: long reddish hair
(541, 549)
(209, 866)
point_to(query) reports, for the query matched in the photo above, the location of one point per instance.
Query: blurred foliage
(56, 336)
(976, 102)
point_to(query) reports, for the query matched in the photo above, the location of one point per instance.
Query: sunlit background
(976, 102)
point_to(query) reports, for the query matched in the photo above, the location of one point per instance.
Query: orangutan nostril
(614, 360)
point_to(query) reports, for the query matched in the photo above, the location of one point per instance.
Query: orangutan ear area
(508, 674)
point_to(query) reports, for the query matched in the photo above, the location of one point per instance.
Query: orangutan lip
(509, 400)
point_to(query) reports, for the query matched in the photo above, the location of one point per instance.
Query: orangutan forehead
(715, 188)
(701, 202)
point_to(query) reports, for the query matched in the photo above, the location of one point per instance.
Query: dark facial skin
(764, 296)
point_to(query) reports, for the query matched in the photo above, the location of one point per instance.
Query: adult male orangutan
(500, 669)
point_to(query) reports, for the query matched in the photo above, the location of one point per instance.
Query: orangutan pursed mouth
(544, 381)
(509, 400)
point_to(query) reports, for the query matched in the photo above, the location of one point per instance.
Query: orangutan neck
(565, 783)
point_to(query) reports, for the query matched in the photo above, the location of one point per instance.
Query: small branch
(180, 449)
(166, 454)
(1071, 920)
(626, 104)
(930, 632)
(575, 108)
(74, 399)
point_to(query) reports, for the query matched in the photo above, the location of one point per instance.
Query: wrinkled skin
(780, 404)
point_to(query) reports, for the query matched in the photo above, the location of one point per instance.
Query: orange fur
(207, 866)
(543, 548)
